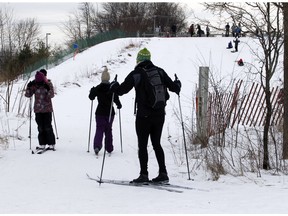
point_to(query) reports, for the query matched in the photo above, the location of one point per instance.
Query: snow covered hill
(56, 182)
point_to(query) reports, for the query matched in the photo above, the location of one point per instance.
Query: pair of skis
(164, 186)
(42, 150)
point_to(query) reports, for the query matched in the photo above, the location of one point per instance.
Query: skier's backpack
(156, 91)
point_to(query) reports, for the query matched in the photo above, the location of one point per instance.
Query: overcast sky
(51, 15)
(48, 15)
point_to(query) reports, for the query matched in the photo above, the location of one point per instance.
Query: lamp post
(47, 34)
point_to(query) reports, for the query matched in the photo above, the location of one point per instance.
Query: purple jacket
(42, 103)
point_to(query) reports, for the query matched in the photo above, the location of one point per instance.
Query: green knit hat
(143, 55)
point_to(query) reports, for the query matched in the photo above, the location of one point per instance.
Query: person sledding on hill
(240, 62)
(150, 114)
(103, 125)
(230, 46)
(43, 91)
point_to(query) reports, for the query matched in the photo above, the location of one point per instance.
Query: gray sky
(51, 14)
(48, 15)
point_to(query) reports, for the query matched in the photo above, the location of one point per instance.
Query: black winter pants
(145, 126)
(45, 130)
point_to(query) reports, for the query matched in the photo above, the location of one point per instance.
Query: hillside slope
(56, 182)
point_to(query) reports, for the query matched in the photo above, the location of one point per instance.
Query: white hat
(105, 75)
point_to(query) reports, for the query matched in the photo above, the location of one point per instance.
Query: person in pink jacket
(43, 91)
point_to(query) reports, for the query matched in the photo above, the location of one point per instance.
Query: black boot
(141, 179)
(161, 178)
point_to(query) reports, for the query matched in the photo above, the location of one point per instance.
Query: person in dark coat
(207, 31)
(103, 112)
(191, 30)
(199, 30)
(149, 121)
(227, 29)
(173, 30)
(43, 91)
(236, 42)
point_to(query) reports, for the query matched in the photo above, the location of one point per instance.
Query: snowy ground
(56, 182)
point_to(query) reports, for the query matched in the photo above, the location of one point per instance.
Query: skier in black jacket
(149, 121)
(103, 126)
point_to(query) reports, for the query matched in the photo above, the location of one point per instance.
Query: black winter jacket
(104, 97)
(134, 80)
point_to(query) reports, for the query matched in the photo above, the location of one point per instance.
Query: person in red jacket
(43, 91)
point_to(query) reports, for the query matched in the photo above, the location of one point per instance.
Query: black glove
(92, 93)
(178, 83)
(46, 86)
(30, 84)
(119, 106)
(114, 85)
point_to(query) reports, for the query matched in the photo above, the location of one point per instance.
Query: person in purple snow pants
(103, 125)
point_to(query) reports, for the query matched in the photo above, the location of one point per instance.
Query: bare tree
(142, 17)
(81, 23)
(72, 28)
(285, 125)
(263, 21)
(129, 17)
(6, 25)
(26, 32)
(87, 10)
(14, 36)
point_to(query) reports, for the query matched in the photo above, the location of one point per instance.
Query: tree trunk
(285, 123)
(267, 97)
(266, 165)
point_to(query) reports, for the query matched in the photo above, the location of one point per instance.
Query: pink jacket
(42, 103)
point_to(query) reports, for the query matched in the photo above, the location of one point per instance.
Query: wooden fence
(229, 109)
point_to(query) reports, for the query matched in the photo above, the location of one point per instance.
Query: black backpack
(156, 91)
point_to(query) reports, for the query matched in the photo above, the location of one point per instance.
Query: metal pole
(55, 126)
(184, 140)
(30, 116)
(120, 131)
(90, 125)
(110, 114)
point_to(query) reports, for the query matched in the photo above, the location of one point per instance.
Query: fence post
(201, 111)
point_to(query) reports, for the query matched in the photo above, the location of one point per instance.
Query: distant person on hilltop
(173, 30)
(199, 31)
(233, 30)
(236, 42)
(43, 90)
(149, 119)
(227, 29)
(238, 30)
(207, 31)
(191, 30)
(104, 110)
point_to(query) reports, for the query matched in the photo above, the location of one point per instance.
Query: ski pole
(109, 119)
(30, 116)
(120, 131)
(90, 125)
(55, 126)
(182, 123)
